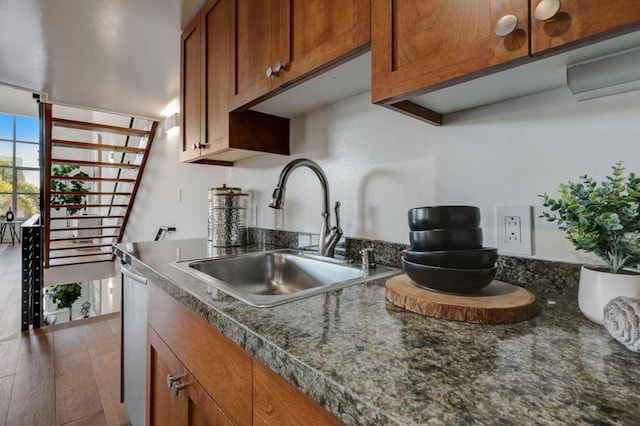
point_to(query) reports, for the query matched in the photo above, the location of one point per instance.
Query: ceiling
(114, 55)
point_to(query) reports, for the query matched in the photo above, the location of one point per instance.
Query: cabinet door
(261, 36)
(216, 18)
(163, 408)
(323, 31)
(419, 45)
(190, 87)
(576, 20)
(275, 401)
(190, 405)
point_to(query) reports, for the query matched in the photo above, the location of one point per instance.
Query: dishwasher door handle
(131, 275)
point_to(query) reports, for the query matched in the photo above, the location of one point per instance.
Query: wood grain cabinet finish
(190, 87)
(578, 22)
(221, 367)
(223, 383)
(190, 405)
(418, 45)
(276, 401)
(306, 36)
(211, 135)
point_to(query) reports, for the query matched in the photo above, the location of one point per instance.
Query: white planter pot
(598, 287)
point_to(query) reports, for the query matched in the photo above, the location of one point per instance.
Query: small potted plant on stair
(603, 219)
(65, 295)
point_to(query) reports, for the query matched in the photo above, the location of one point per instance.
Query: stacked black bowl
(447, 253)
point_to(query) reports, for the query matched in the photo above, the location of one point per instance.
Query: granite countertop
(369, 362)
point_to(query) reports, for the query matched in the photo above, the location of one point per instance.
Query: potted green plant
(603, 219)
(58, 185)
(65, 295)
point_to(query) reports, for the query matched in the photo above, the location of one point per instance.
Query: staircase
(93, 164)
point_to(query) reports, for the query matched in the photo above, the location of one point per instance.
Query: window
(19, 165)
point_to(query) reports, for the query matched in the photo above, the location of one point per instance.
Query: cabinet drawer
(223, 369)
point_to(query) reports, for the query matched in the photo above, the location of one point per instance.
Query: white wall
(16, 101)
(380, 163)
(157, 202)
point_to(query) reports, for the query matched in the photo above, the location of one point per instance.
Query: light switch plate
(514, 229)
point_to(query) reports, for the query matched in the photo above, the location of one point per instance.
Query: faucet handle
(337, 208)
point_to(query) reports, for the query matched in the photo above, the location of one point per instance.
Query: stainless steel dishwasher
(134, 344)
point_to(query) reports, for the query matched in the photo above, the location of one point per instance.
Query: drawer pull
(506, 25)
(547, 9)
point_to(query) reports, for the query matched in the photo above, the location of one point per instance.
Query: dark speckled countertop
(369, 362)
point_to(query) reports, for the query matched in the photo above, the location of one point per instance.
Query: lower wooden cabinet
(277, 402)
(213, 381)
(174, 396)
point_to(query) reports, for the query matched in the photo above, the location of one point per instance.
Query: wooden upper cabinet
(305, 36)
(216, 51)
(576, 20)
(191, 83)
(261, 35)
(419, 45)
(211, 135)
(323, 31)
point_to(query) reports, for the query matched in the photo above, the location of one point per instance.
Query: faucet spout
(328, 234)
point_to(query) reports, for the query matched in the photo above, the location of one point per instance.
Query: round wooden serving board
(497, 303)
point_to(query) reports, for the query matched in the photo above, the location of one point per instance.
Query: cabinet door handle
(506, 25)
(277, 68)
(547, 9)
(177, 387)
(171, 380)
(197, 146)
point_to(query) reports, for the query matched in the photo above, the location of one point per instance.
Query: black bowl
(449, 280)
(446, 239)
(440, 217)
(463, 259)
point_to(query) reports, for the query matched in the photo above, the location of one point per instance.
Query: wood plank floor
(66, 374)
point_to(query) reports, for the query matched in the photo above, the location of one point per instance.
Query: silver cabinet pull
(278, 66)
(506, 25)
(547, 9)
(171, 380)
(177, 387)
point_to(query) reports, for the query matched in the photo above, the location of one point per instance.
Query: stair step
(69, 262)
(94, 163)
(68, 256)
(81, 206)
(88, 217)
(85, 125)
(81, 228)
(79, 247)
(91, 237)
(90, 145)
(88, 178)
(88, 193)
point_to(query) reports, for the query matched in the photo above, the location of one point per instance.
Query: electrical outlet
(514, 229)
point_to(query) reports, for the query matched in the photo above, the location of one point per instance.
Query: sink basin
(270, 278)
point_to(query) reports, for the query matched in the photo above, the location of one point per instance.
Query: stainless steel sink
(270, 278)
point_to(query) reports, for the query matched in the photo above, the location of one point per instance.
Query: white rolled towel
(622, 321)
